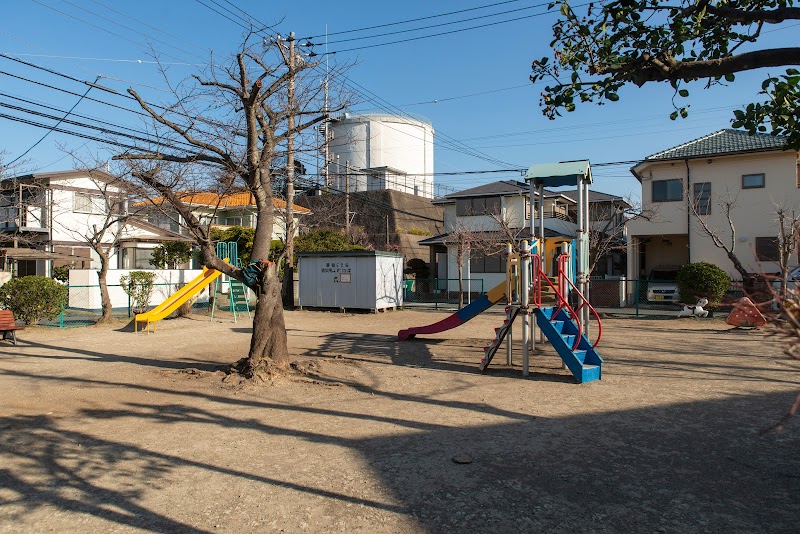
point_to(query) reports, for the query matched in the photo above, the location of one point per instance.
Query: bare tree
(461, 239)
(488, 239)
(239, 137)
(698, 208)
(607, 235)
(106, 212)
(788, 219)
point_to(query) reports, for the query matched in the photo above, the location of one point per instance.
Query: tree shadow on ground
(72, 353)
(381, 348)
(697, 466)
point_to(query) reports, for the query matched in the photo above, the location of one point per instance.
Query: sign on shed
(369, 280)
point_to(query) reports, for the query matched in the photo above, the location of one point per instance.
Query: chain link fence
(84, 305)
(612, 296)
(643, 297)
(440, 292)
(618, 297)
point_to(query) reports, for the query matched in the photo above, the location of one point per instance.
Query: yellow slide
(174, 301)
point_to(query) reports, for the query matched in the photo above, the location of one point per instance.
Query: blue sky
(478, 78)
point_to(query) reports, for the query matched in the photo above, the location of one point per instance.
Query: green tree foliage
(610, 45)
(324, 240)
(138, 285)
(242, 235)
(170, 254)
(702, 279)
(61, 273)
(33, 298)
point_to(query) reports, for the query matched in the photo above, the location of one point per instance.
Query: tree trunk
(737, 264)
(269, 353)
(460, 261)
(105, 298)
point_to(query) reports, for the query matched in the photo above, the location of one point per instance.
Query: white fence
(84, 292)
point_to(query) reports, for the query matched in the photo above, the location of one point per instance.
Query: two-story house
(225, 210)
(47, 218)
(688, 186)
(495, 213)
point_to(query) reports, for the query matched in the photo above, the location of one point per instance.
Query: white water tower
(384, 152)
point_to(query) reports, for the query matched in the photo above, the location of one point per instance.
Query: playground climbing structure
(557, 303)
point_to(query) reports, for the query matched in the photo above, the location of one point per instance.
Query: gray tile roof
(443, 239)
(594, 196)
(500, 188)
(726, 141)
(503, 187)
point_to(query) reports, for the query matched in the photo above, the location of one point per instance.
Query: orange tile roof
(232, 200)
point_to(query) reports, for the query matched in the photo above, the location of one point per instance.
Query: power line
(412, 20)
(111, 60)
(85, 125)
(182, 39)
(358, 89)
(491, 91)
(106, 30)
(86, 117)
(450, 32)
(56, 125)
(420, 28)
(146, 36)
(112, 91)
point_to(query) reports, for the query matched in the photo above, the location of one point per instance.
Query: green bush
(170, 254)
(244, 237)
(139, 287)
(33, 298)
(61, 273)
(324, 240)
(702, 279)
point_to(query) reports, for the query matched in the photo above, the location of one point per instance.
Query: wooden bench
(8, 326)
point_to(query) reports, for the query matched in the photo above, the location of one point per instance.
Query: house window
(481, 263)
(702, 198)
(82, 203)
(466, 207)
(767, 248)
(753, 181)
(668, 190)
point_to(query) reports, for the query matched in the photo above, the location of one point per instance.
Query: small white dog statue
(696, 310)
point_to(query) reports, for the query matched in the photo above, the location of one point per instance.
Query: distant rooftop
(726, 141)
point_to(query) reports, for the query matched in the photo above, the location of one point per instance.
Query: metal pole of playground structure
(524, 274)
(509, 350)
(542, 250)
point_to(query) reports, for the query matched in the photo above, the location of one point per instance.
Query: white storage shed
(369, 280)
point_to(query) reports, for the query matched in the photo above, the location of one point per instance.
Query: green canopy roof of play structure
(560, 174)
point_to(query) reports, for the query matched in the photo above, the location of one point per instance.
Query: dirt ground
(104, 430)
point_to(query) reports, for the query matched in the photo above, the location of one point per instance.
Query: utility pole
(288, 272)
(347, 196)
(290, 160)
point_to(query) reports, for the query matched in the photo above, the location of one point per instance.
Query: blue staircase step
(584, 363)
(590, 372)
(569, 340)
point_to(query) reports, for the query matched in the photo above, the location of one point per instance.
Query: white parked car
(661, 284)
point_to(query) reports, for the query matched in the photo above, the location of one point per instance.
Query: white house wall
(754, 214)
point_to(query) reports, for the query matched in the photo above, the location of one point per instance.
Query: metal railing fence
(643, 297)
(440, 292)
(84, 304)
